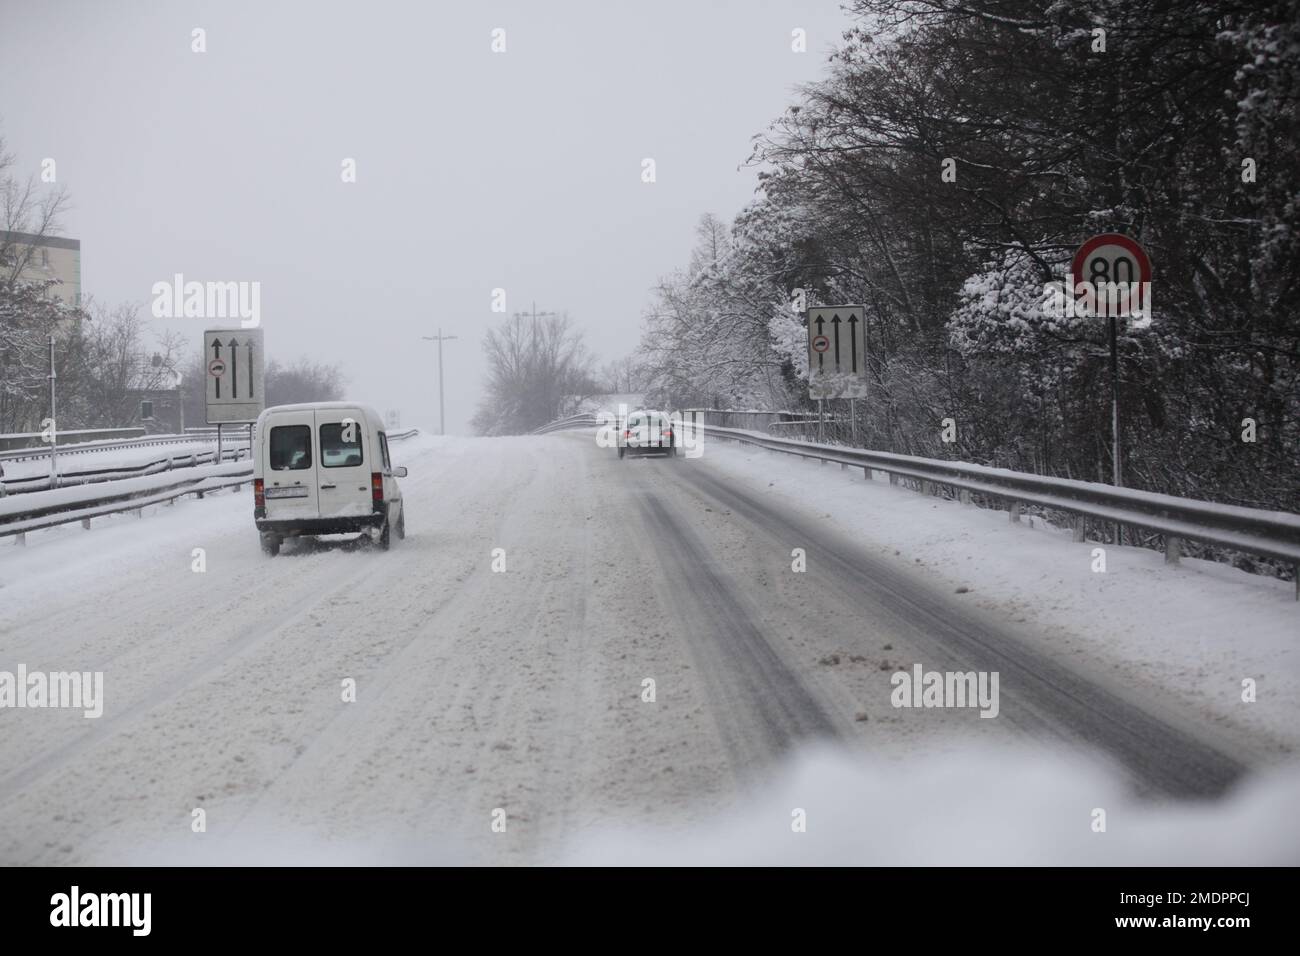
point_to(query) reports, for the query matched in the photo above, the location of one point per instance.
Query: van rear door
(289, 456)
(346, 460)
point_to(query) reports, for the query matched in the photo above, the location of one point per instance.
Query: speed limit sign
(1111, 275)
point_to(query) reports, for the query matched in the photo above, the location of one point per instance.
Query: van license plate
(293, 491)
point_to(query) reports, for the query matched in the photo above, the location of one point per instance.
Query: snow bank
(1191, 633)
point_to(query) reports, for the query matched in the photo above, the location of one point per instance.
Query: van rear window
(290, 447)
(335, 450)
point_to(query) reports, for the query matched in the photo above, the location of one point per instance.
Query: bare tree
(28, 214)
(535, 363)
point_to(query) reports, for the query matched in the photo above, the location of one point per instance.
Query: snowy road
(521, 691)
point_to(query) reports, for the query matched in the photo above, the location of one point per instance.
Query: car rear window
(290, 447)
(335, 450)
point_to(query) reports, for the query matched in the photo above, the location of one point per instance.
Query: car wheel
(621, 451)
(401, 524)
(385, 537)
(270, 545)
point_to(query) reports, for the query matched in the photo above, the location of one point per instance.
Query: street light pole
(442, 418)
(54, 425)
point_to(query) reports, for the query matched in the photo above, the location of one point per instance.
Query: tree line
(945, 169)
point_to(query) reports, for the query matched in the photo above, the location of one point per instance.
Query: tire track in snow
(758, 703)
(1038, 693)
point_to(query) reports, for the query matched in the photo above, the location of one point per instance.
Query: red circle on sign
(1097, 242)
(820, 343)
(216, 368)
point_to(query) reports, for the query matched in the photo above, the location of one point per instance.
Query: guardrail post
(866, 473)
(893, 478)
(1014, 513)
(85, 524)
(1079, 527)
(199, 494)
(927, 488)
(1297, 582)
(964, 496)
(138, 512)
(843, 466)
(1173, 548)
(20, 538)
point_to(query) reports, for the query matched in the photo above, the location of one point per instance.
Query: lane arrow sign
(836, 322)
(234, 369)
(853, 339)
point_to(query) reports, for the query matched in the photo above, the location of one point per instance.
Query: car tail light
(259, 493)
(668, 433)
(627, 434)
(377, 487)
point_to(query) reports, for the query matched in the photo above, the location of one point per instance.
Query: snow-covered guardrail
(35, 483)
(81, 502)
(1271, 534)
(112, 444)
(573, 421)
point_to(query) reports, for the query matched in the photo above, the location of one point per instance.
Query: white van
(324, 468)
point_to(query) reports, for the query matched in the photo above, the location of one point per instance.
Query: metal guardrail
(68, 479)
(23, 441)
(28, 454)
(573, 421)
(49, 515)
(1272, 534)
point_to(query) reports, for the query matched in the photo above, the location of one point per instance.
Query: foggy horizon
(475, 170)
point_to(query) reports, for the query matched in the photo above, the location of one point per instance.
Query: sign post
(1110, 276)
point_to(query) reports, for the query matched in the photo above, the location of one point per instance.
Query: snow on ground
(987, 806)
(1195, 631)
(521, 691)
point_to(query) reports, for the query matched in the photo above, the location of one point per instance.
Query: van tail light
(377, 487)
(259, 493)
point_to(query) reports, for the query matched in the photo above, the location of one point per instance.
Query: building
(153, 394)
(40, 258)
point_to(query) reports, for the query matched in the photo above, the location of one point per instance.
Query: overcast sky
(475, 170)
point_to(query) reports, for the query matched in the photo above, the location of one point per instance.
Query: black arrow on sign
(820, 322)
(853, 338)
(836, 322)
(216, 354)
(249, 345)
(234, 369)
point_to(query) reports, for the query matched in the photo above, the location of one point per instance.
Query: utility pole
(54, 425)
(442, 418)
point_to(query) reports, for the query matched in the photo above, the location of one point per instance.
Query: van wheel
(270, 544)
(621, 451)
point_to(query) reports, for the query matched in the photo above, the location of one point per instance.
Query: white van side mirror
(399, 471)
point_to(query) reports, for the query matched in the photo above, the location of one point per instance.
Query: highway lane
(485, 695)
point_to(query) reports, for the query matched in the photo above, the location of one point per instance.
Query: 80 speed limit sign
(1111, 275)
